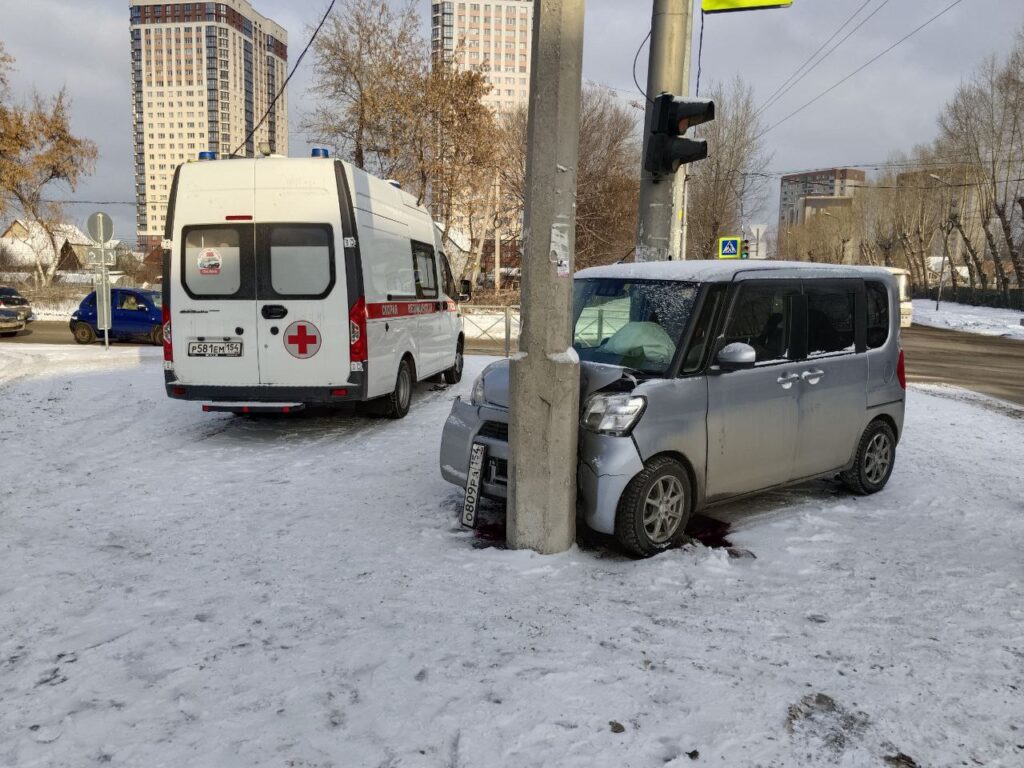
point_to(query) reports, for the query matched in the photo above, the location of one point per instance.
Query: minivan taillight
(168, 349)
(357, 331)
(901, 371)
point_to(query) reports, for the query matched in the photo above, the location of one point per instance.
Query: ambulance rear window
(300, 260)
(214, 262)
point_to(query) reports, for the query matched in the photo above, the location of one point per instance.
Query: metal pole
(667, 71)
(545, 375)
(942, 269)
(685, 216)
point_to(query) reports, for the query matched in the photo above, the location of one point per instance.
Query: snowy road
(188, 589)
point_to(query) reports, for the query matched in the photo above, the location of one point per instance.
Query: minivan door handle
(812, 377)
(274, 311)
(787, 380)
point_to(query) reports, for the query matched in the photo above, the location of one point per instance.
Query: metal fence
(1012, 299)
(491, 329)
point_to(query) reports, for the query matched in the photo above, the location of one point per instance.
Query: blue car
(135, 315)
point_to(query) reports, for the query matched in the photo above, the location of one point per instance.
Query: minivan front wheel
(876, 456)
(84, 334)
(654, 508)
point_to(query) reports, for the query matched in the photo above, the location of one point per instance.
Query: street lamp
(945, 242)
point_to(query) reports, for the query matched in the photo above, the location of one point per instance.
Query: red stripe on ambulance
(389, 309)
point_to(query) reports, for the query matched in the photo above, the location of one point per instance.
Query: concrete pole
(667, 71)
(544, 378)
(680, 184)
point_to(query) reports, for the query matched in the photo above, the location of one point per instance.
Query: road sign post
(100, 256)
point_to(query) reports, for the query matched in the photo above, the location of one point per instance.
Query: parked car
(344, 294)
(14, 301)
(135, 315)
(11, 322)
(705, 381)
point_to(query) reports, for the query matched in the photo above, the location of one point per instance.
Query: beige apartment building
(497, 35)
(811, 191)
(203, 74)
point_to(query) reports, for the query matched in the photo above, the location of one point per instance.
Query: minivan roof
(714, 271)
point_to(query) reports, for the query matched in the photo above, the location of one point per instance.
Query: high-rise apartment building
(802, 190)
(496, 35)
(203, 74)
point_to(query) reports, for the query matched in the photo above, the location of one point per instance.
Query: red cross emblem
(302, 339)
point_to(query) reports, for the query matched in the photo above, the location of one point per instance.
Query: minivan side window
(703, 329)
(830, 320)
(878, 313)
(426, 270)
(762, 317)
(301, 260)
(217, 262)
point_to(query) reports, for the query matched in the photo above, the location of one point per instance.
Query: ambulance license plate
(476, 466)
(215, 349)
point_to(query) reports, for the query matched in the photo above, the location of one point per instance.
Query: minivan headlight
(477, 397)
(612, 414)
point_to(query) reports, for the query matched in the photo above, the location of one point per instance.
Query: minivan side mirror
(736, 357)
(465, 291)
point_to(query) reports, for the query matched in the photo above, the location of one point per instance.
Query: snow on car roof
(711, 270)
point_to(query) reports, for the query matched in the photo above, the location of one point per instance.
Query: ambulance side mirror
(465, 291)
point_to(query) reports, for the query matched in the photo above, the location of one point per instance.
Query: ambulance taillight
(168, 349)
(357, 334)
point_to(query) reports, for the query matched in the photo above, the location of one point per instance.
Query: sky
(890, 106)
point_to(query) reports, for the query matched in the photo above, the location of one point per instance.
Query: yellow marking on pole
(725, 6)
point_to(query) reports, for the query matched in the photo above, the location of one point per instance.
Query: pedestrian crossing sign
(728, 247)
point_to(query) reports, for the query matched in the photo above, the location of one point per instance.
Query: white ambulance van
(295, 281)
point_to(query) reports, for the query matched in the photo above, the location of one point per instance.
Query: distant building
(801, 191)
(203, 74)
(22, 243)
(497, 35)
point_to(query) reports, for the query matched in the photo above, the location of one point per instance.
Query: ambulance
(297, 281)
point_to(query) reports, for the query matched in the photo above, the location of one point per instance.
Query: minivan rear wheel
(84, 334)
(396, 405)
(157, 335)
(654, 508)
(876, 456)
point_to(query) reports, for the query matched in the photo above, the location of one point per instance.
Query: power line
(635, 59)
(287, 79)
(782, 90)
(862, 67)
(700, 51)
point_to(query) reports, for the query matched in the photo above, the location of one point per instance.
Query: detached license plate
(215, 349)
(476, 466)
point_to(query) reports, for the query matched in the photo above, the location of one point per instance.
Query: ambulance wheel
(84, 334)
(454, 374)
(396, 405)
(157, 335)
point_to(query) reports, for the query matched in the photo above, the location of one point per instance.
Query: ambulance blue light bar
(207, 155)
(320, 152)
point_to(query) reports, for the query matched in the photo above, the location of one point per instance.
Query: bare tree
(730, 186)
(38, 153)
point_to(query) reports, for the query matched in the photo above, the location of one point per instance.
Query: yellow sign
(728, 247)
(724, 6)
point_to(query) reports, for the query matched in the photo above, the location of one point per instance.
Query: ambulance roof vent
(395, 183)
(207, 155)
(320, 152)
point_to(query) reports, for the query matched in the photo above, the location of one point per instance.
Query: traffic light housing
(745, 249)
(671, 117)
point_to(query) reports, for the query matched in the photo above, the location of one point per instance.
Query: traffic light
(745, 250)
(670, 119)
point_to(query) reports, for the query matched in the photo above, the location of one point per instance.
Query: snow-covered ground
(189, 589)
(987, 321)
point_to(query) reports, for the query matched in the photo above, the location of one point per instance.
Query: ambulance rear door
(213, 283)
(302, 309)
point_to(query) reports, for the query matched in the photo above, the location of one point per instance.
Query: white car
(293, 281)
(11, 323)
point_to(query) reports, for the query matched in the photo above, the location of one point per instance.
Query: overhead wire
(287, 79)
(788, 86)
(862, 67)
(637, 58)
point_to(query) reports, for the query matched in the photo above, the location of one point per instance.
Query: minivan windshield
(633, 323)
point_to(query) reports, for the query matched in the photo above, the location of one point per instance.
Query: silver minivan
(705, 381)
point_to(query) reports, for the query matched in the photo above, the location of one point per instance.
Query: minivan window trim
(797, 318)
(859, 313)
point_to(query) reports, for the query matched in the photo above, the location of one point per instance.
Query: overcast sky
(892, 105)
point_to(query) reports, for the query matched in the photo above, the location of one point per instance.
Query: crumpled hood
(593, 376)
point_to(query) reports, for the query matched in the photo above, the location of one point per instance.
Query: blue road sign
(728, 247)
